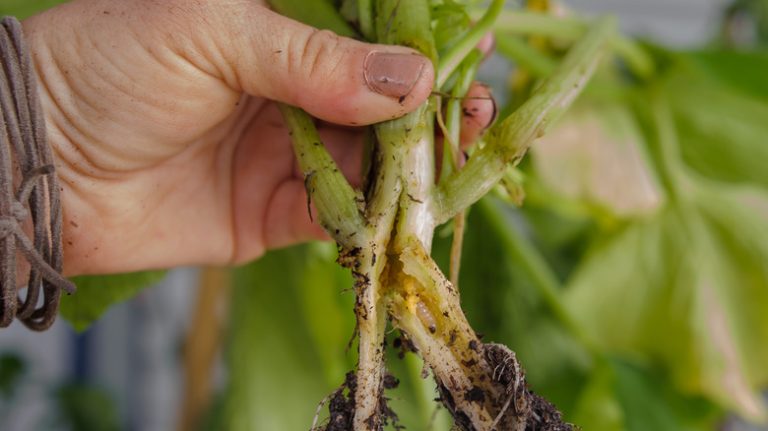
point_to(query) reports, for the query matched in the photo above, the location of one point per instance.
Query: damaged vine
(384, 231)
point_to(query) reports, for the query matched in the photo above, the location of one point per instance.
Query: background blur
(260, 355)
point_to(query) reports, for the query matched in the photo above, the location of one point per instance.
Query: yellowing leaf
(595, 155)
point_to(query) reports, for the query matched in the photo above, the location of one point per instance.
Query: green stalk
(452, 151)
(532, 23)
(451, 60)
(320, 14)
(571, 29)
(524, 55)
(335, 200)
(509, 140)
(405, 22)
(365, 18)
(453, 112)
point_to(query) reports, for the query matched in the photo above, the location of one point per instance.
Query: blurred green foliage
(25, 8)
(84, 408)
(12, 369)
(290, 321)
(75, 406)
(95, 294)
(748, 18)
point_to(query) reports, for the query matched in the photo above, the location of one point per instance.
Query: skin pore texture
(168, 146)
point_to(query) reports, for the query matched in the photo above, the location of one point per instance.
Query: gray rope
(23, 140)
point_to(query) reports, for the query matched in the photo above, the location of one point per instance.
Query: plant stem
(571, 28)
(371, 325)
(414, 134)
(365, 17)
(320, 14)
(524, 55)
(453, 113)
(407, 23)
(509, 140)
(426, 307)
(452, 155)
(370, 311)
(451, 60)
(335, 200)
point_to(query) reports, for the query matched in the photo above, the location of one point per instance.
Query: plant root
(520, 408)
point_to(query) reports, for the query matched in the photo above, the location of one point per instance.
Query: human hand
(169, 149)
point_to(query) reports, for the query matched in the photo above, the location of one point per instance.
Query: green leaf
(85, 408)
(95, 294)
(23, 8)
(449, 20)
(12, 369)
(290, 322)
(326, 304)
(720, 103)
(685, 289)
(318, 13)
(623, 395)
(649, 403)
(598, 407)
(743, 71)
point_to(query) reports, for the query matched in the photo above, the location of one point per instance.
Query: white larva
(426, 316)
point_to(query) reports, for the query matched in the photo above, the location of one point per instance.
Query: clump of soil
(342, 406)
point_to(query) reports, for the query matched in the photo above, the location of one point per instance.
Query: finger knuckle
(321, 55)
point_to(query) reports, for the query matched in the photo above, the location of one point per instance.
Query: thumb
(334, 78)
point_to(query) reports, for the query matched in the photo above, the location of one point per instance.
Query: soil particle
(546, 415)
(452, 337)
(404, 345)
(391, 382)
(475, 395)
